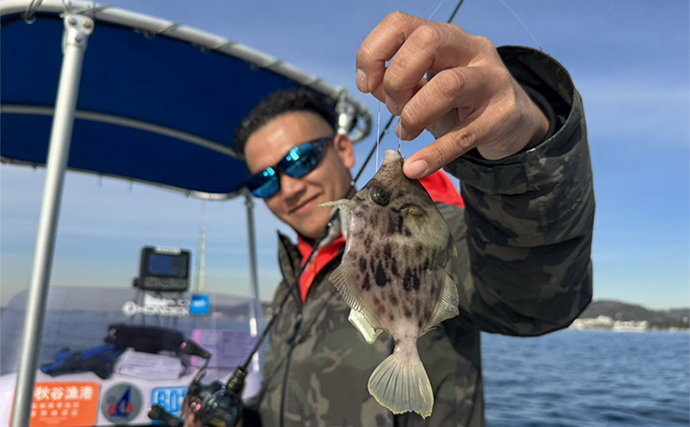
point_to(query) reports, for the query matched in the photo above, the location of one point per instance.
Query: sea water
(587, 378)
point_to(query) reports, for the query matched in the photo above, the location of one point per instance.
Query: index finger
(380, 46)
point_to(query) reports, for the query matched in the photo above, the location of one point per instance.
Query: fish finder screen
(167, 265)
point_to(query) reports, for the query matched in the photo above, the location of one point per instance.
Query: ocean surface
(568, 378)
(588, 378)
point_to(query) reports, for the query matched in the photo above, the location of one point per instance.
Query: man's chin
(311, 226)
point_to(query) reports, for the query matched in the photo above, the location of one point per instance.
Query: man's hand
(454, 84)
(190, 418)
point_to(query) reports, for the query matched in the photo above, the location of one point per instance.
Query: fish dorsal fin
(447, 304)
(351, 293)
(344, 205)
(360, 322)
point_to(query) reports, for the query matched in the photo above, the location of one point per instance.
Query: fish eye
(379, 196)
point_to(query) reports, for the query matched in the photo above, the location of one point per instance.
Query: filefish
(392, 276)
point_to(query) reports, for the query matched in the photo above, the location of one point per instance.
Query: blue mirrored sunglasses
(297, 163)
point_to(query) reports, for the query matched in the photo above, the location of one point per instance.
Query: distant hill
(658, 319)
(678, 313)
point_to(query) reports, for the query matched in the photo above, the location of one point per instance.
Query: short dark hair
(281, 102)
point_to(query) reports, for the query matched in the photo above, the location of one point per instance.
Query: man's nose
(290, 186)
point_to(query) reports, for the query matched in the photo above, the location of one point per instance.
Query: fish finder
(163, 269)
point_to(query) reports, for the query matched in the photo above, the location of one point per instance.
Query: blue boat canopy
(158, 102)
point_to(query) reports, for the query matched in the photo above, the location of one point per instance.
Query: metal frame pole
(75, 36)
(253, 274)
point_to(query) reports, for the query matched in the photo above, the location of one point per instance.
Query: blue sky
(629, 60)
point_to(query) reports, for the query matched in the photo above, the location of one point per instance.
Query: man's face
(295, 203)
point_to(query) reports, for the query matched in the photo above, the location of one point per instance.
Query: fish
(393, 277)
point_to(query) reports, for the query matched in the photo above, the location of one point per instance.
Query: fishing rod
(219, 404)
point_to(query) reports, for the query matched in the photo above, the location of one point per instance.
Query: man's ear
(344, 148)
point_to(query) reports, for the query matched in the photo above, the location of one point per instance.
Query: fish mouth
(393, 159)
(393, 155)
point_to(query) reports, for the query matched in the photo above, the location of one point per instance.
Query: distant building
(605, 322)
(600, 322)
(633, 326)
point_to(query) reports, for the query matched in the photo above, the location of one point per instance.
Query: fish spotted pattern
(392, 276)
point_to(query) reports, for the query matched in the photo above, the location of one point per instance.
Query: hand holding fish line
(392, 274)
(451, 83)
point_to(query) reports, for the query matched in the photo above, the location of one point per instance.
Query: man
(509, 124)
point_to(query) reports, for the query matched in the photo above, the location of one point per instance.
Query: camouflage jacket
(524, 242)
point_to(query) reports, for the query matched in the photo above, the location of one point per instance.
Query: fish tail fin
(401, 384)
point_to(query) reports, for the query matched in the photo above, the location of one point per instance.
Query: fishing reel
(216, 404)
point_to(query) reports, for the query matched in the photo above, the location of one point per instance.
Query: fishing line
(378, 128)
(378, 138)
(522, 23)
(376, 165)
(435, 10)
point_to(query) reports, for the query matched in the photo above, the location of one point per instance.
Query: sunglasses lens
(300, 161)
(297, 163)
(264, 184)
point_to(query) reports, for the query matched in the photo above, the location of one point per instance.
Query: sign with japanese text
(63, 404)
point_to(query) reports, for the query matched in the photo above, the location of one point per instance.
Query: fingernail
(362, 81)
(417, 169)
(402, 133)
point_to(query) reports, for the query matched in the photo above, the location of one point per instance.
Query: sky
(628, 59)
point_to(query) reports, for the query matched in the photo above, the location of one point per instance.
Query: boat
(149, 101)
(81, 321)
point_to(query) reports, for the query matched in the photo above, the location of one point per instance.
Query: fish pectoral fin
(413, 214)
(413, 217)
(400, 383)
(351, 292)
(414, 211)
(447, 304)
(360, 322)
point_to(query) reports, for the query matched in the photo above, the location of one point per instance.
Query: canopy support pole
(77, 30)
(255, 310)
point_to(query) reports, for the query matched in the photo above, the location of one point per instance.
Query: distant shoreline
(608, 315)
(603, 323)
(623, 317)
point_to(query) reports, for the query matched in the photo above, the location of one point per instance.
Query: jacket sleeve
(529, 218)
